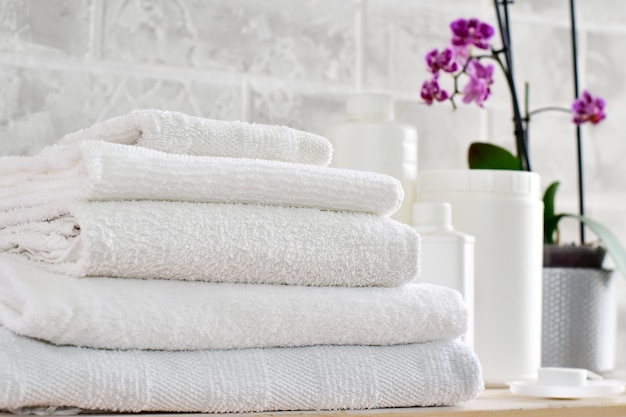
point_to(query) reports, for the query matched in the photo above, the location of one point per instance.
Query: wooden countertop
(492, 403)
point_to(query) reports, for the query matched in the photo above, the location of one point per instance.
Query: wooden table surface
(492, 403)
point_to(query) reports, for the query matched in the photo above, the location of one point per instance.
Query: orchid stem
(549, 108)
(581, 199)
(520, 134)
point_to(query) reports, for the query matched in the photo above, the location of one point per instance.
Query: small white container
(370, 140)
(446, 255)
(567, 383)
(504, 212)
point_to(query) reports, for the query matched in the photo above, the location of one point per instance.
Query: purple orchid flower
(588, 109)
(461, 54)
(444, 60)
(432, 91)
(477, 70)
(478, 89)
(471, 32)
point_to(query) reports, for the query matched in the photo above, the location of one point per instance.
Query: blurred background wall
(65, 64)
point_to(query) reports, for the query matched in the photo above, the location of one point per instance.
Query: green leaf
(613, 247)
(483, 155)
(550, 219)
(548, 198)
(551, 228)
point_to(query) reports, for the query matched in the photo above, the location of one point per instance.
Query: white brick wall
(67, 64)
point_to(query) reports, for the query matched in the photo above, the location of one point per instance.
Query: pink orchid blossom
(588, 109)
(471, 32)
(478, 89)
(461, 54)
(432, 91)
(444, 60)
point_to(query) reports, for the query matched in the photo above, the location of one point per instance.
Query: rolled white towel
(219, 243)
(245, 380)
(100, 171)
(175, 132)
(177, 315)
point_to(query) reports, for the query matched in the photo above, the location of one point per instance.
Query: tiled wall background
(65, 64)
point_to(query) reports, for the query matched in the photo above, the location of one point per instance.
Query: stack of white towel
(163, 262)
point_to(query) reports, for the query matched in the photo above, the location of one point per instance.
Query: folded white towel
(95, 170)
(219, 243)
(180, 133)
(175, 315)
(245, 380)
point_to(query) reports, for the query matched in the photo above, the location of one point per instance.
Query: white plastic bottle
(446, 255)
(504, 212)
(370, 140)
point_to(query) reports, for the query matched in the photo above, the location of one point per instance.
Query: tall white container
(370, 140)
(504, 212)
(446, 255)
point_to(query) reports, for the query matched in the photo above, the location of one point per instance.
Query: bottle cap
(432, 215)
(518, 184)
(564, 377)
(566, 383)
(369, 106)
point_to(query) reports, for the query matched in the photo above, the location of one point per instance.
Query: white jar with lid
(446, 254)
(503, 210)
(370, 140)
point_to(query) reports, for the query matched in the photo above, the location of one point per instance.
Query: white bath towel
(175, 132)
(96, 170)
(175, 315)
(219, 243)
(246, 380)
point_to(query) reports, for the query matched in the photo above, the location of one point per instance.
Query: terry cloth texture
(175, 132)
(177, 315)
(219, 243)
(100, 171)
(246, 380)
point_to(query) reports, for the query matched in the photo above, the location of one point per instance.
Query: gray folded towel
(245, 380)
